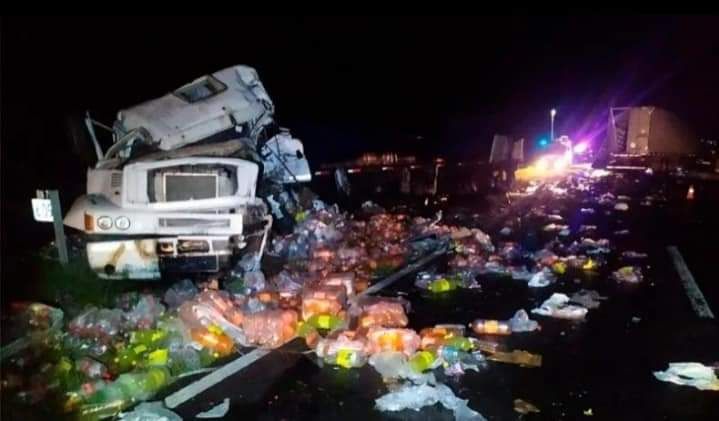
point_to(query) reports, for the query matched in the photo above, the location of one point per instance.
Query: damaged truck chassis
(176, 192)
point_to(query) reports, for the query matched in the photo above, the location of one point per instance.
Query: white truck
(177, 190)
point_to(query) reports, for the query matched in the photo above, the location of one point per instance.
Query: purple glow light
(581, 147)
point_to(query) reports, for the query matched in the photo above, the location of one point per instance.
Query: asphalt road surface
(597, 369)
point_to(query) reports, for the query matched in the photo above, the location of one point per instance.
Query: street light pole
(552, 113)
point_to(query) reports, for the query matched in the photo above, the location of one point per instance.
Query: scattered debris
(587, 298)
(521, 322)
(621, 206)
(558, 306)
(690, 374)
(217, 411)
(628, 274)
(416, 397)
(524, 407)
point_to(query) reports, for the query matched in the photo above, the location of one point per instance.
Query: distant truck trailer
(647, 134)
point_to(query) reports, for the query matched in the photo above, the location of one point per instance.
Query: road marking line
(221, 373)
(701, 307)
(195, 388)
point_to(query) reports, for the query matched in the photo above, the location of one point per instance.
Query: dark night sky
(350, 85)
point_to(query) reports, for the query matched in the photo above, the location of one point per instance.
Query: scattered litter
(521, 358)
(521, 322)
(564, 233)
(621, 206)
(217, 411)
(416, 397)
(541, 279)
(555, 227)
(505, 231)
(584, 229)
(690, 374)
(587, 298)
(629, 274)
(150, 411)
(588, 412)
(636, 319)
(629, 254)
(620, 233)
(558, 306)
(490, 327)
(524, 407)
(589, 211)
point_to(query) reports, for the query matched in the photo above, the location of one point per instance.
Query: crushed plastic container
(383, 312)
(343, 279)
(346, 349)
(558, 306)
(213, 339)
(432, 338)
(392, 339)
(270, 328)
(628, 274)
(521, 358)
(521, 322)
(180, 292)
(490, 327)
(323, 299)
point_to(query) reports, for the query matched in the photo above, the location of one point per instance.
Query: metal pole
(551, 133)
(60, 242)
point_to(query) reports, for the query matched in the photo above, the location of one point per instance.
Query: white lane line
(701, 307)
(193, 389)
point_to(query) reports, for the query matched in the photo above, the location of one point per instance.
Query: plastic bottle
(325, 321)
(490, 327)
(347, 358)
(461, 343)
(183, 360)
(98, 411)
(450, 354)
(442, 285)
(215, 341)
(421, 361)
(522, 358)
(151, 338)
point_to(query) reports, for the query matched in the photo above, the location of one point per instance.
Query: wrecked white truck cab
(177, 190)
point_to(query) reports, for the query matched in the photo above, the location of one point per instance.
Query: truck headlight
(122, 223)
(104, 222)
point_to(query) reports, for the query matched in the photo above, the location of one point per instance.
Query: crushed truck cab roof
(209, 105)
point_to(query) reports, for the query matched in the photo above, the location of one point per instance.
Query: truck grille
(194, 222)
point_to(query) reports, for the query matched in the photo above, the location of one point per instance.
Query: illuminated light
(553, 112)
(690, 193)
(542, 164)
(543, 142)
(104, 222)
(386, 168)
(560, 164)
(589, 265)
(580, 148)
(122, 223)
(89, 222)
(354, 170)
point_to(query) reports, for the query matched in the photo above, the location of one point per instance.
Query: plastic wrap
(391, 339)
(345, 349)
(180, 292)
(145, 313)
(270, 328)
(323, 299)
(383, 312)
